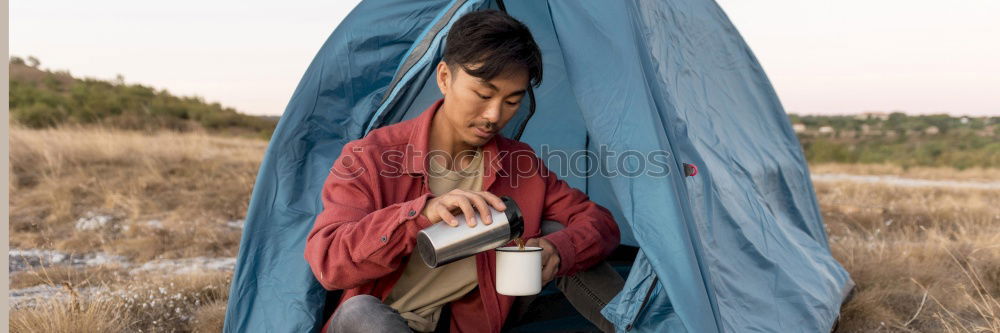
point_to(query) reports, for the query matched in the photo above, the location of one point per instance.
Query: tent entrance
(550, 122)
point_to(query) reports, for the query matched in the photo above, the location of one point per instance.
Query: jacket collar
(415, 154)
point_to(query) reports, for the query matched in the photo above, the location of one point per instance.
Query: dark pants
(588, 291)
(366, 313)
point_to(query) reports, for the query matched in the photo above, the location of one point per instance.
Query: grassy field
(113, 222)
(929, 173)
(184, 183)
(142, 200)
(924, 259)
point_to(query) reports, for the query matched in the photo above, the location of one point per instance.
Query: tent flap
(273, 289)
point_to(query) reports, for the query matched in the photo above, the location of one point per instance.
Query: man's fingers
(552, 265)
(494, 200)
(548, 271)
(531, 242)
(445, 215)
(463, 203)
(546, 251)
(481, 206)
(546, 257)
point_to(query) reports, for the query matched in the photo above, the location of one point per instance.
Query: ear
(443, 77)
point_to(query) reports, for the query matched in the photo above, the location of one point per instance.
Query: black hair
(496, 40)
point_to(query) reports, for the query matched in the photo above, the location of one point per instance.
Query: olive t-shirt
(421, 291)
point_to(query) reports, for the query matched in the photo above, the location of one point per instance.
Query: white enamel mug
(519, 272)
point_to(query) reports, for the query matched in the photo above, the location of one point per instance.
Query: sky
(823, 57)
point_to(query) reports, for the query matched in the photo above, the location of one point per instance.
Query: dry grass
(209, 318)
(187, 303)
(192, 182)
(60, 275)
(69, 316)
(933, 173)
(182, 299)
(924, 259)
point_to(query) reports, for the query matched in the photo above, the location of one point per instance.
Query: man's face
(476, 110)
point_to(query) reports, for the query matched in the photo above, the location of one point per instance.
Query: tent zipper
(645, 301)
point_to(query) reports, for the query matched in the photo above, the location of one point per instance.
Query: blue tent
(740, 247)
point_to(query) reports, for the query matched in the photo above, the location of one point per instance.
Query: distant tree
(17, 60)
(33, 62)
(942, 121)
(896, 120)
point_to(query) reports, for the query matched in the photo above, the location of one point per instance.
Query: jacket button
(413, 212)
(383, 239)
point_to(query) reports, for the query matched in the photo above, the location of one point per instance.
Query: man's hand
(467, 202)
(550, 258)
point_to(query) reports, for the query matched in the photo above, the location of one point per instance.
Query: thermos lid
(514, 217)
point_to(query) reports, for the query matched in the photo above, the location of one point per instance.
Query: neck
(445, 138)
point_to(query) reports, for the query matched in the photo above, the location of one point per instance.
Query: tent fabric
(739, 247)
(273, 289)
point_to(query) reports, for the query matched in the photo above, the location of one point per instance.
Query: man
(452, 160)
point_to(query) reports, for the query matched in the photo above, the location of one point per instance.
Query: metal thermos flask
(441, 243)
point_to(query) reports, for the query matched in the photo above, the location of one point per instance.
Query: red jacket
(375, 192)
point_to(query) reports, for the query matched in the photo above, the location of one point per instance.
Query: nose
(492, 112)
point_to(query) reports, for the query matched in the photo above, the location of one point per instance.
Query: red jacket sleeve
(591, 233)
(353, 240)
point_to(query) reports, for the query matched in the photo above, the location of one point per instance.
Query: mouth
(482, 133)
